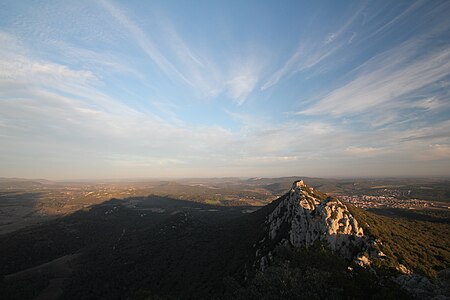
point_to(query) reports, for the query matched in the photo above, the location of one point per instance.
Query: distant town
(372, 202)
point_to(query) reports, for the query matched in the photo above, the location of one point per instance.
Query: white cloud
(241, 86)
(385, 78)
(49, 110)
(364, 151)
(284, 70)
(311, 52)
(308, 55)
(430, 103)
(16, 67)
(179, 60)
(435, 152)
(144, 41)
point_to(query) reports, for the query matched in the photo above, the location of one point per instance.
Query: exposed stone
(363, 261)
(421, 288)
(403, 269)
(302, 219)
(310, 219)
(380, 254)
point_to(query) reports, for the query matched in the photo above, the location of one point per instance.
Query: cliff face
(303, 218)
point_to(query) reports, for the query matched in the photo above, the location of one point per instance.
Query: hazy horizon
(191, 178)
(112, 90)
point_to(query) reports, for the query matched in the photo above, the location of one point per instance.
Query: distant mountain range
(302, 245)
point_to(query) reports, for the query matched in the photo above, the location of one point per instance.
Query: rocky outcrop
(303, 218)
(421, 287)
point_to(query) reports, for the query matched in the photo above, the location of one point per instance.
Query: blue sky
(117, 89)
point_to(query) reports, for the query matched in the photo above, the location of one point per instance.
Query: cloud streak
(385, 78)
(177, 59)
(311, 52)
(142, 39)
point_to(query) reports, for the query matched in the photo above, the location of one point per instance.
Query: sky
(152, 89)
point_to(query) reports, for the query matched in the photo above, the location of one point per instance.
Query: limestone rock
(421, 287)
(301, 218)
(403, 269)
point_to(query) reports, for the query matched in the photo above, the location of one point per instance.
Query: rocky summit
(304, 217)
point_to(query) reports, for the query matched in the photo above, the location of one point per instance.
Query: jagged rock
(422, 288)
(380, 254)
(417, 285)
(310, 219)
(363, 261)
(403, 269)
(302, 217)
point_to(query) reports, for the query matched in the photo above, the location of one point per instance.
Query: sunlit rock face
(302, 218)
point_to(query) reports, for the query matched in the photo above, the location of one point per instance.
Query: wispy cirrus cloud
(312, 51)
(244, 78)
(53, 108)
(144, 41)
(236, 77)
(385, 78)
(364, 151)
(308, 55)
(15, 66)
